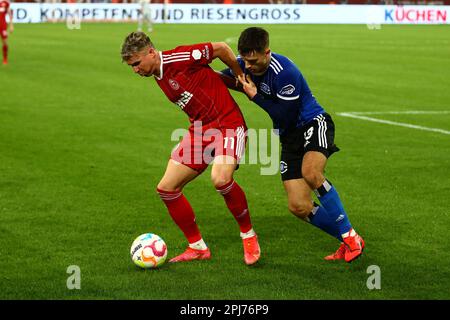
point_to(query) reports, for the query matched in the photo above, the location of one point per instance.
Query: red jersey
(188, 81)
(4, 7)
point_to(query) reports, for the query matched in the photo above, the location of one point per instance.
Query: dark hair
(134, 43)
(253, 39)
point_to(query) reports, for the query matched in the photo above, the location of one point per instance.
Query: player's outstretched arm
(11, 27)
(223, 51)
(231, 82)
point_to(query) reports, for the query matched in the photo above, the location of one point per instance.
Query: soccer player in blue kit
(274, 83)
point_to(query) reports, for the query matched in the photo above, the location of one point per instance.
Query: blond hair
(135, 42)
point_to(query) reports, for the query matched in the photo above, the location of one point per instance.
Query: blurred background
(385, 2)
(84, 142)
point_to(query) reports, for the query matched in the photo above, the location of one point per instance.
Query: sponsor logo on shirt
(287, 90)
(196, 54)
(184, 100)
(264, 88)
(205, 53)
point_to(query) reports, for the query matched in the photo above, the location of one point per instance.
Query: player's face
(257, 62)
(145, 63)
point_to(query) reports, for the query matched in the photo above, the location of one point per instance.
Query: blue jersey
(283, 93)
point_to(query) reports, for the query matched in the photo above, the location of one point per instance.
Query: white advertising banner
(237, 13)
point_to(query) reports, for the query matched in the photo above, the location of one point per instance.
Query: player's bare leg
(299, 198)
(313, 167)
(5, 51)
(170, 190)
(301, 204)
(176, 176)
(222, 177)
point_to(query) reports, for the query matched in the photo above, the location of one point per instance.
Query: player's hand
(238, 83)
(248, 85)
(11, 29)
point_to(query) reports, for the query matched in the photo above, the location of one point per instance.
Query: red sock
(237, 203)
(5, 52)
(182, 214)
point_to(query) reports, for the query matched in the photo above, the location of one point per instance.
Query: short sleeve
(200, 54)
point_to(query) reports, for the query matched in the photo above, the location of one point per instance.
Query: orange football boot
(192, 254)
(252, 251)
(355, 246)
(338, 255)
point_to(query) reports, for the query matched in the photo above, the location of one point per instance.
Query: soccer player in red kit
(217, 133)
(5, 10)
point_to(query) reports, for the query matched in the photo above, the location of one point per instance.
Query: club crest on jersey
(287, 90)
(264, 88)
(184, 100)
(283, 167)
(196, 54)
(174, 85)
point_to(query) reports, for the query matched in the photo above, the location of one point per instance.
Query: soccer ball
(148, 251)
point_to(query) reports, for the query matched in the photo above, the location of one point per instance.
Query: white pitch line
(400, 124)
(401, 112)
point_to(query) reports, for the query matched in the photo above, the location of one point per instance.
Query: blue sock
(330, 200)
(319, 218)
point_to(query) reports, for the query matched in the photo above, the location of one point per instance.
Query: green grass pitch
(84, 142)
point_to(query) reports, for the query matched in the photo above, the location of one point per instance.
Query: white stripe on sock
(199, 245)
(248, 234)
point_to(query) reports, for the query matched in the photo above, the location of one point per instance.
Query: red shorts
(202, 144)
